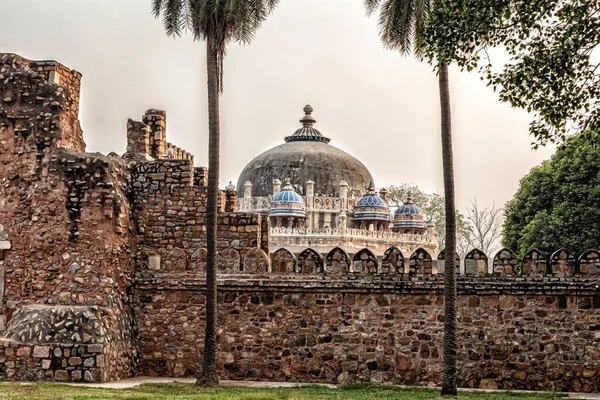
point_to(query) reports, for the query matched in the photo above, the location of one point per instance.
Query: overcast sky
(373, 103)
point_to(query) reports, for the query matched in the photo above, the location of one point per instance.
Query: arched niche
(476, 263)
(197, 260)
(283, 261)
(175, 260)
(420, 263)
(337, 262)
(562, 263)
(310, 262)
(505, 262)
(588, 263)
(535, 263)
(256, 262)
(364, 262)
(441, 262)
(392, 262)
(228, 261)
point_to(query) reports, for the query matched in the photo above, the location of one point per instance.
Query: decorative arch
(337, 262)
(198, 260)
(175, 260)
(588, 263)
(535, 263)
(476, 263)
(256, 262)
(283, 261)
(441, 262)
(228, 261)
(310, 262)
(562, 263)
(364, 262)
(505, 262)
(420, 263)
(392, 262)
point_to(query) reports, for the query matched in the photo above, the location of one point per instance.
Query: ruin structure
(102, 262)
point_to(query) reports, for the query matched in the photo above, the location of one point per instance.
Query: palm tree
(401, 27)
(218, 22)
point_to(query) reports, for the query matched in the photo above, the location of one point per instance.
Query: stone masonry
(102, 262)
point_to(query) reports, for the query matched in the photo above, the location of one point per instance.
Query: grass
(180, 391)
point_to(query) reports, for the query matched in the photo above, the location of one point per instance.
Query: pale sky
(373, 103)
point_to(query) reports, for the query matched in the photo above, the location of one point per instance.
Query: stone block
(76, 375)
(75, 361)
(88, 362)
(23, 351)
(46, 364)
(95, 348)
(488, 384)
(61, 375)
(41, 351)
(154, 262)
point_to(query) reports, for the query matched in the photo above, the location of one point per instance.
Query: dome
(371, 207)
(287, 203)
(408, 215)
(306, 155)
(408, 208)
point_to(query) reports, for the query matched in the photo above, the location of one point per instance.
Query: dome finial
(370, 188)
(308, 121)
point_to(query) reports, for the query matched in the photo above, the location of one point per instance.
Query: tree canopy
(558, 203)
(552, 71)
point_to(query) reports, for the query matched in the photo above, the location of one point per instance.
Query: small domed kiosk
(371, 212)
(287, 208)
(408, 218)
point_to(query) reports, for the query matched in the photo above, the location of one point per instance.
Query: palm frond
(401, 23)
(218, 22)
(371, 6)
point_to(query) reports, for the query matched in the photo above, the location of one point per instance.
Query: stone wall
(170, 212)
(513, 333)
(67, 217)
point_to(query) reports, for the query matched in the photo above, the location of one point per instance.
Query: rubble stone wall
(65, 213)
(170, 212)
(514, 333)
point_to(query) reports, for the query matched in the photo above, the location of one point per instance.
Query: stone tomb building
(102, 262)
(328, 201)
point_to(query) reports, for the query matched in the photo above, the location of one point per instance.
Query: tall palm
(218, 22)
(401, 26)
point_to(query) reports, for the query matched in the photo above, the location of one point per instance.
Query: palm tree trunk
(208, 377)
(449, 384)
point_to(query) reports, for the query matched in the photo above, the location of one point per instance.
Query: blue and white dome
(408, 215)
(287, 203)
(407, 208)
(371, 207)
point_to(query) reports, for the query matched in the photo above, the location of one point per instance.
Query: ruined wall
(170, 212)
(514, 333)
(67, 217)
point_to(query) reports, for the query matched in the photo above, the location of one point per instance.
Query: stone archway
(337, 262)
(310, 262)
(392, 262)
(283, 261)
(364, 262)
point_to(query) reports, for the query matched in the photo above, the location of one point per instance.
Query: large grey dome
(305, 156)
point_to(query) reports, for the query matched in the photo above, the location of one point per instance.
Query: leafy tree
(218, 23)
(552, 72)
(401, 26)
(558, 203)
